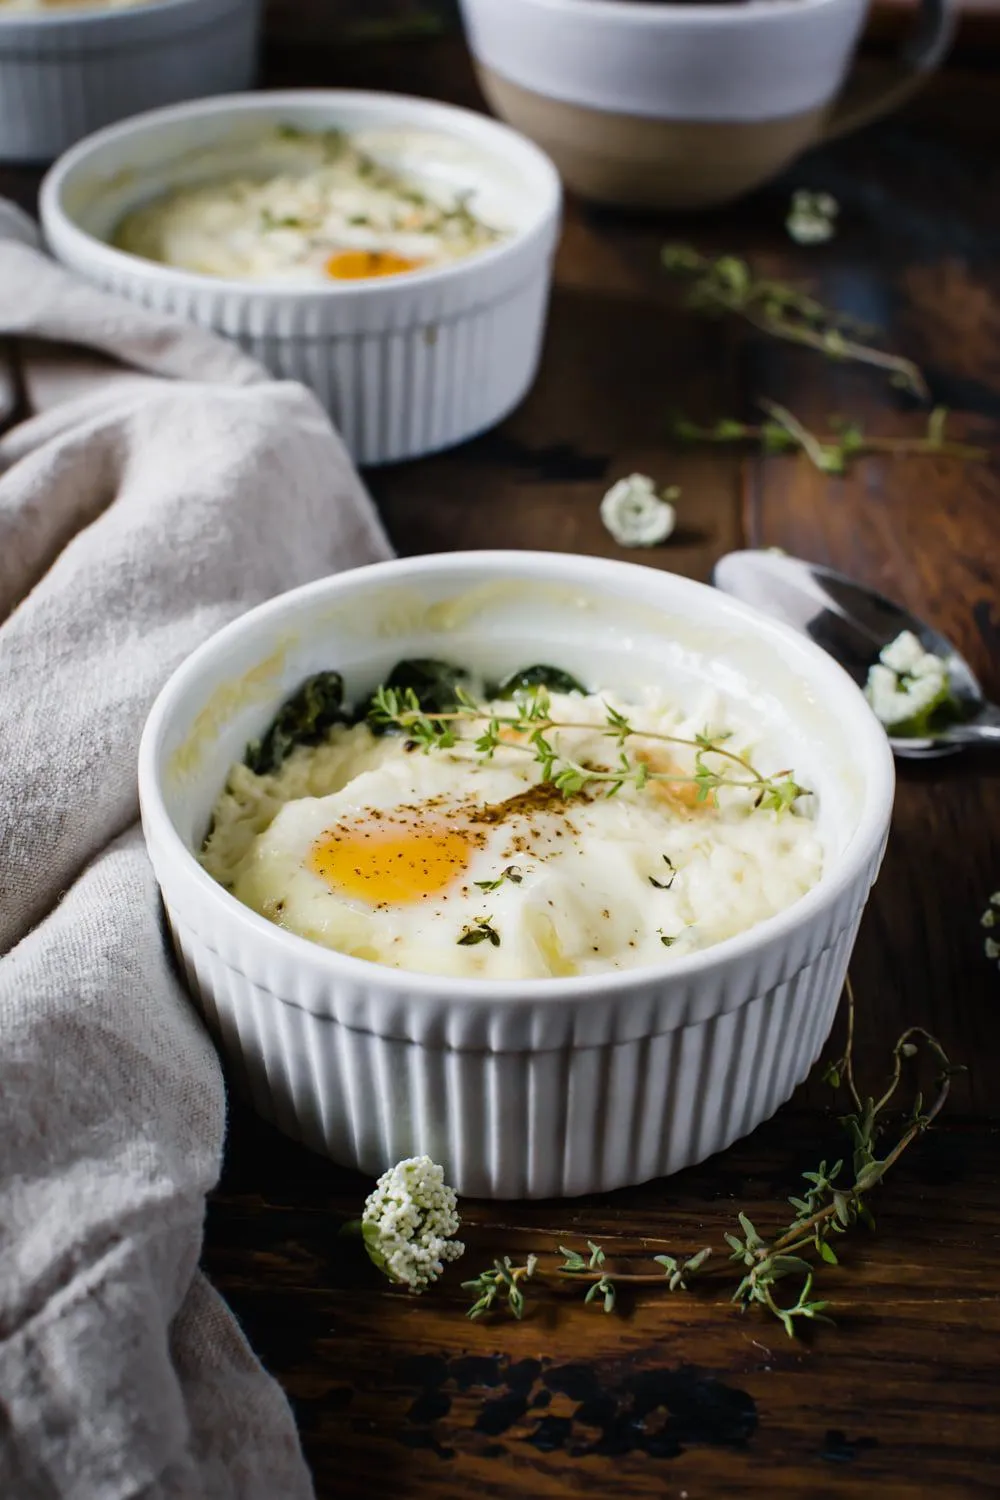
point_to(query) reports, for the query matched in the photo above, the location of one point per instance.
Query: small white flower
(635, 515)
(409, 1223)
(991, 918)
(811, 217)
(907, 684)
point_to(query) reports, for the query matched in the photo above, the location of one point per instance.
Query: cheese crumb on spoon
(906, 685)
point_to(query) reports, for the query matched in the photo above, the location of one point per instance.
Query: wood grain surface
(681, 1395)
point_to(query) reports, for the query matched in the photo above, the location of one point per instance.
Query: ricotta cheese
(320, 210)
(907, 684)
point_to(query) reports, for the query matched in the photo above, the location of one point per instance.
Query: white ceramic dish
(405, 364)
(531, 1088)
(66, 73)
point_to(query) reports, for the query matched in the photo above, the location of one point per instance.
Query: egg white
(598, 883)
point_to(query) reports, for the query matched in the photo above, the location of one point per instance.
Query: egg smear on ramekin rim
(539, 834)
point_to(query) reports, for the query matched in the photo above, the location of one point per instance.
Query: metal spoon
(854, 623)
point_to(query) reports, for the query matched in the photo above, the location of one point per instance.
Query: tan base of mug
(643, 163)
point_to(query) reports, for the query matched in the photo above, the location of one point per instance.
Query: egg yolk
(393, 868)
(353, 265)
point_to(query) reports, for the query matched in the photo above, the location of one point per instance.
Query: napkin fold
(160, 485)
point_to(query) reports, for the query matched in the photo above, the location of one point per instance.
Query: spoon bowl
(854, 623)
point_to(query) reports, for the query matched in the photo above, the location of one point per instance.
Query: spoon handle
(984, 730)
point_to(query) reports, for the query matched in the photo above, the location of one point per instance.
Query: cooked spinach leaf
(434, 682)
(319, 703)
(303, 720)
(552, 678)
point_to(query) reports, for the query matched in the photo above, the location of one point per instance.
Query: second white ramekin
(405, 365)
(536, 1088)
(66, 73)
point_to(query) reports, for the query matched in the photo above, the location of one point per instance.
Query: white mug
(685, 105)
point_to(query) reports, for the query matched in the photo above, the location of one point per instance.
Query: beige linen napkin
(138, 513)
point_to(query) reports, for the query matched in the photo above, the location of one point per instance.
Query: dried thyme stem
(847, 1061)
(833, 452)
(786, 419)
(727, 284)
(834, 345)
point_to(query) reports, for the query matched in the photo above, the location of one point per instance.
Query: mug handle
(866, 98)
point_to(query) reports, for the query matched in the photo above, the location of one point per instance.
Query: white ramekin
(66, 73)
(532, 1088)
(405, 365)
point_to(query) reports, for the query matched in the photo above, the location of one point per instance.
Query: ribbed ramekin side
(396, 393)
(518, 1123)
(60, 83)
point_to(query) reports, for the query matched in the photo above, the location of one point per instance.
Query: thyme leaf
(675, 1270)
(481, 930)
(512, 873)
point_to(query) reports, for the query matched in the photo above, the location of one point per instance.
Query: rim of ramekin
(95, 14)
(864, 846)
(641, 14)
(422, 113)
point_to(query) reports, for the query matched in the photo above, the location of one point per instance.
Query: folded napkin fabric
(163, 485)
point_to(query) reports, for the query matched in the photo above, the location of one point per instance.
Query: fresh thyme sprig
(831, 453)
(676, 1270)
(601, 1286)
(727, 284)
(527, 730)
(827, 1207)
(504, 1278)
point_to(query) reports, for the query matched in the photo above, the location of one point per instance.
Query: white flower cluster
(907, 683)
(409, 1222)
(636, 515)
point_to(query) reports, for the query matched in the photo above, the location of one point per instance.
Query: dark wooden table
(404, 1397)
